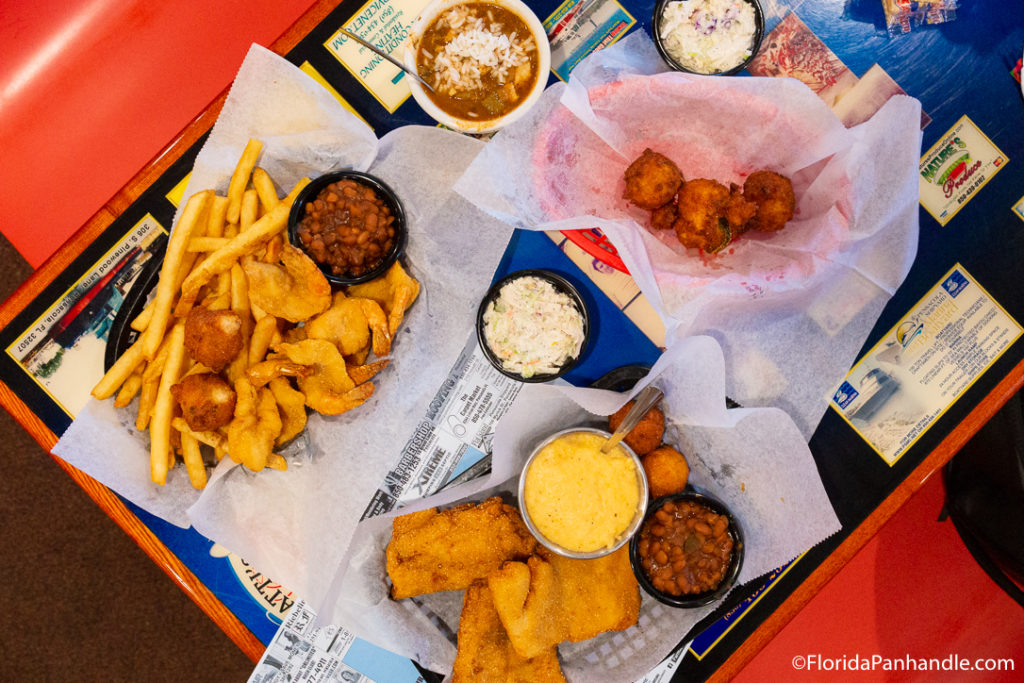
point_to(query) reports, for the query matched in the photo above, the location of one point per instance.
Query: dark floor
(83, 602)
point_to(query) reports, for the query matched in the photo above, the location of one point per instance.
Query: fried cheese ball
(213, 338)
(207, 401)
(773, 195)
(652, 180)
(666, 470)
(646, 436)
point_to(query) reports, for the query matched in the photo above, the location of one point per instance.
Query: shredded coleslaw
(533, 328)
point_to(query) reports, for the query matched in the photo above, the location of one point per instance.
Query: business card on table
(924, 364)
(956, 168)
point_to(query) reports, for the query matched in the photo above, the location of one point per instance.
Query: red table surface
(76, 75)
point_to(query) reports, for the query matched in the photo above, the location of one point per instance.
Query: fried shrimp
(652, 180)
(328, 389)
(255, 427)
(295, 290)
(349, 322)
(773, 195)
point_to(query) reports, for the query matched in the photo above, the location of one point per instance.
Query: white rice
(708, 36)
(480, 48)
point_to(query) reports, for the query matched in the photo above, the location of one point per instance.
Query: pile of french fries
(202, 263)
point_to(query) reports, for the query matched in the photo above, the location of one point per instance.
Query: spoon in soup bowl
(387, 57)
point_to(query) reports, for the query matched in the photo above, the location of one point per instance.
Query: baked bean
(685, 548)
(348, 228)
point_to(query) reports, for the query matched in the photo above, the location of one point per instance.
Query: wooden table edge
(947, 448)
(215, 609)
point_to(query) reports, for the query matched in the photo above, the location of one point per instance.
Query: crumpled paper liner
(754, 460)
(296, 525)
(790, 309)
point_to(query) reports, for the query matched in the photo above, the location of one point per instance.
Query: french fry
(147, 398)
(257, 312)
(128, 390)
(141, 321)
(240, 178)
(191, 217)
(221, 300)
(218, 217)
(160, 423)
(264, 185)
(210, 438)
(193, 460)
(294, 194)
(155, 368)
(239, 291)
(201, 244)
(277, 462)
(219, 261)
(250, 209)
(262, 336)
(120, 371)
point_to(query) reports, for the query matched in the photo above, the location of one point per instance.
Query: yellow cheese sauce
(577, 496)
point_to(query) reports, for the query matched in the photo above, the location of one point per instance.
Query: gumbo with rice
(480, 59)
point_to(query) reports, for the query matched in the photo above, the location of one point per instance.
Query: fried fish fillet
(433, 551)
(550, 598)
(485, 654)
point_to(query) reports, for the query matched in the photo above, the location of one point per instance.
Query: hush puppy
(652, 180)
(666, 470)
(664, 217)
(710, 214)
(773, 195)
(207, 401)
(647, 435)
(213, 338)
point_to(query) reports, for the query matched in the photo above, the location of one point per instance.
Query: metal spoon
(387, 57)
(644, 401)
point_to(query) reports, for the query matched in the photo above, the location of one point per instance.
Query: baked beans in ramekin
(351, 224)
(688, 551)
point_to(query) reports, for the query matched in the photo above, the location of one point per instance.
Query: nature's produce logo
(951, 167)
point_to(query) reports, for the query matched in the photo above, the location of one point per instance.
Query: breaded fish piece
(485, 654)
(433, 551)
(550, 598)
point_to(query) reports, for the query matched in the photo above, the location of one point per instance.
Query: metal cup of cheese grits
(579, 502)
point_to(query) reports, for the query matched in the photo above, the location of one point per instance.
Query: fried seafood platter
(520, 600)
(243, 334)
